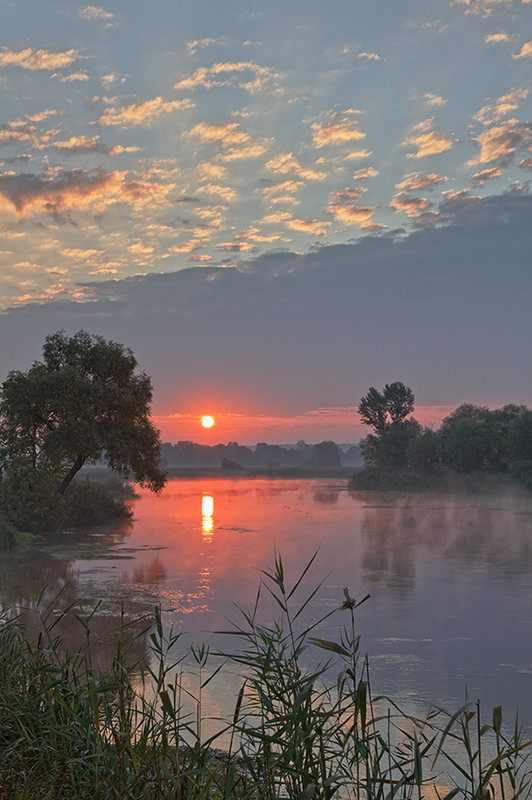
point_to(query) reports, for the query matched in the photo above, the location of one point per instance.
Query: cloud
(229, 74)
(186, 247)
(74, 188)
(369, 56)
(335, 132)
(226, 133)
(482, 7)
(225, 192)
(242, 153)
(432, 99)
(497, 38)
(287, 164)
(282, 192)
(501, 107)
(428, 142)
(343, 208)
(37, 59)
(413, 206)
(74, 76)
(143, 113)
(486, 175)
(526, 163)
(448, 308)
(211, 171)
(96, 14)
(25, 130)
(368, 172)
(313, 226)
(80, 144)
(77, 189)
(501, 142)
(414, 180)
(525, 52)
(237, 247)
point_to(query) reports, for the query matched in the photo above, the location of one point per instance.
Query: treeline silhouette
(234, 456)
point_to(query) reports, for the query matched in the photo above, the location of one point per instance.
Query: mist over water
(450, 576)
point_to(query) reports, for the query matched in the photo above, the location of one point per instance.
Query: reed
(136, 729)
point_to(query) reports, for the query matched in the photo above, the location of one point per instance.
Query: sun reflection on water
(207, 512)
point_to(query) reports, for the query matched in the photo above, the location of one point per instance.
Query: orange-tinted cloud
(226, 133)
(96, 14)
(482, 7)
(362, 174)
(346, 211)
(428, 142)
(287, 164)
(414, 181)
(497, 38)
(413, 206)
(501, 107)
(37, 59)
(227, 74)
(225, 192)
(369, 56)
(142, 113)
(242, 153)
(76, 189)
(486, 175)
(500, 142)
(335, 132)
(432, 99)
(313, 226)
(74, 76)
(80, 144)
(525, 52)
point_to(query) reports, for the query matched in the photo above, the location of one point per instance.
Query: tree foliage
(472, 440)
(379, 410)
(83, 402)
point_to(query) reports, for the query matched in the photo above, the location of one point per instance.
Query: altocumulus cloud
(445, 308)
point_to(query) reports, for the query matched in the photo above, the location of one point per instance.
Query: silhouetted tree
(84, 401)
(379, 410)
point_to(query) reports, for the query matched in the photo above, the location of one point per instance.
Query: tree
(379, 410)
(84, 401)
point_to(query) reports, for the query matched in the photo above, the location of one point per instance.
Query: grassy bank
(373, 479)
(136, 729)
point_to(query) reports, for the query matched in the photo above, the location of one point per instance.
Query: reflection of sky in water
(450, 577)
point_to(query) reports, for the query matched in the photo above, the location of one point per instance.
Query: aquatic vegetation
(137, 728)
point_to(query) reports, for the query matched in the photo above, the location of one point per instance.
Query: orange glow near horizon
(207, 421)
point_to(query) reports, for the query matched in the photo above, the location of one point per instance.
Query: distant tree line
(473, 440)
(233, 455)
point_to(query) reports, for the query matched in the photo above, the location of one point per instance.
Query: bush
(89, 503)
(29, 501)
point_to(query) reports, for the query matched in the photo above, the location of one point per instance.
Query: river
(450, 576)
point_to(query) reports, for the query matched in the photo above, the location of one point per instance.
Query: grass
(136, 729)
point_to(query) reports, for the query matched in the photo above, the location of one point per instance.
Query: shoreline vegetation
(137, 729)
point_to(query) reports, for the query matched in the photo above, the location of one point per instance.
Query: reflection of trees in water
(28, 575)
(24, 574)
(327, 496)
(479, 530)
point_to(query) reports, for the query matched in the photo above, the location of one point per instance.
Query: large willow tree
(83, 402)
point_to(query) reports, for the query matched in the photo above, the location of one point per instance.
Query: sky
(274, 205)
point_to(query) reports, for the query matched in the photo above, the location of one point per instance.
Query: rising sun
(207, 421)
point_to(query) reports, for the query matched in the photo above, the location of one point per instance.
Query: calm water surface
(450, 576)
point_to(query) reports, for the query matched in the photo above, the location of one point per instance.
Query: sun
(207, 421)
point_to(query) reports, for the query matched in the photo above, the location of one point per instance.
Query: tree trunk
(76, 466)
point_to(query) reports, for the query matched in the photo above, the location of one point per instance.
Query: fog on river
(450, 576)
